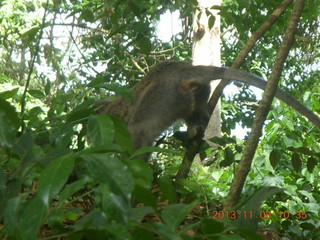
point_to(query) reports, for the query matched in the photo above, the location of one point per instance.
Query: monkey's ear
(192, 83)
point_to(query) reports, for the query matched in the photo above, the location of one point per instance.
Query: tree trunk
(206, 51)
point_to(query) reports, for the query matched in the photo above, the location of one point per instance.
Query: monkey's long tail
(244, 77)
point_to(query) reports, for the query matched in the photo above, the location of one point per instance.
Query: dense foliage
(67, 173)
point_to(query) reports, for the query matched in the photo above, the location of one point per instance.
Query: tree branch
(262, 112)
(194, 148)
(247, 48)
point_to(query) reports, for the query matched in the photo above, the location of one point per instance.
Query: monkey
(175, 90)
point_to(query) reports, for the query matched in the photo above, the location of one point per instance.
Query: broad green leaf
(96, 225)
(211, 226)
(100, 130)
(37, 94)
(71, 189)
(218, 140)
(87, 15)
(9, 212)
(142, 172)
(168, 190)
(122, 135)
(144, 44)
(54, 177)
(137, 214)
(47, 88)
(145, 195)
(174, 214)
(140, 233)
(30, 35)
(296, 162)
(274, 158)
(9, 124)
(250, 234)
(9, 94)
(10, 112)
(57, 216)
(165, 231)
(211, 21)
(93, 220)
(311, 163)
(35, 111)
(253, 204)
(32, 217)
(228, 157)
(109, 170)
(134, 8)
(81, 112)
(7, 131)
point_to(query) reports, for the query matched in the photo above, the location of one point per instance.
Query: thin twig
(34, 57)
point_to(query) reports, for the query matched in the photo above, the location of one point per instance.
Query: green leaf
(296, 162)
(110, 170)
(30, 35)
(228, 157)
(211, 226)
(32, 217)
(174, 214)
(144, 44)
(122, 135)
(87, 15)
(9, 212)
(253, 204)
(140, 233)
(137, 214)
(218, 140)
(37, 94)
(168, 190)
(9, 94)
(134, 8)
(145, 195)
(9, 124)
(47, 88)
(71, 189)
(54, 177)
(93, 220)
(100, 130)
(311, 163)
(81, 112)
(35, 111)
(142, 172)
(274, 158)
(211, 21)
(250, 234)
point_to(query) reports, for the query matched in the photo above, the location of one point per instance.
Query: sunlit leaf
(9, 94)
(36, 94)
